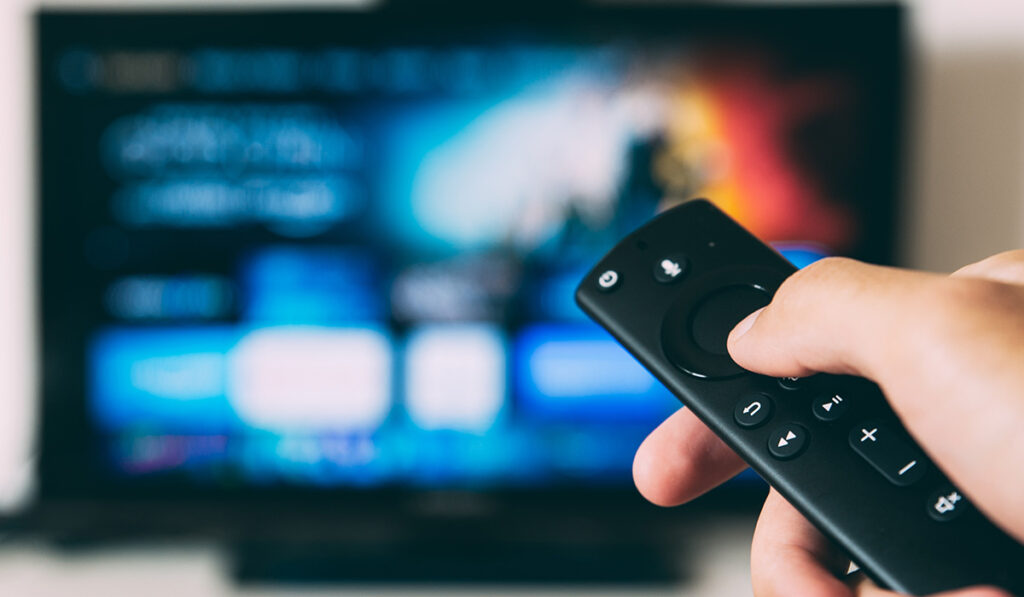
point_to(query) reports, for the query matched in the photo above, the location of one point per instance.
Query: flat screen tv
(319, 265)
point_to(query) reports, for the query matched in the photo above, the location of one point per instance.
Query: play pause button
(829, 407)
(787, 441)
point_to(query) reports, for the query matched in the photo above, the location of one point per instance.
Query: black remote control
(671, 291)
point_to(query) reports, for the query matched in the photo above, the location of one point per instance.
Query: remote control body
(672, 290)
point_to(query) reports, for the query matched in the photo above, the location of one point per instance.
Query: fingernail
(744, 326)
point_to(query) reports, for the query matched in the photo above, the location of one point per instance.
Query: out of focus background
(287, 302)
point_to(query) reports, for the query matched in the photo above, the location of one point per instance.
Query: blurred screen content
(353, 266)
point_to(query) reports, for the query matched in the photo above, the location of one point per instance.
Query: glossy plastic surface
(873, 492)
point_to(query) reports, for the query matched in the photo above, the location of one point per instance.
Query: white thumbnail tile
(455, 377)
(304, 378)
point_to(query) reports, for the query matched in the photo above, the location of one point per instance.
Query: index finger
(682, 459)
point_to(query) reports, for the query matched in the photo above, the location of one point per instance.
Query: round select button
(695, 328)
(721, 311)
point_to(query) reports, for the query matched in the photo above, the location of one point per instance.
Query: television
(308, 274)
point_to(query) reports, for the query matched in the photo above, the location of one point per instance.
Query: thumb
(835, 316)
(945, 351)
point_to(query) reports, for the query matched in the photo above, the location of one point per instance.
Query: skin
(947, 351)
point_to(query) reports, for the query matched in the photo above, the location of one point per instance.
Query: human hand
(938, 346)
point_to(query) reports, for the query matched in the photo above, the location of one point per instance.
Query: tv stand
(483, 562)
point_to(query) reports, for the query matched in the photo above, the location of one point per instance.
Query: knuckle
(828, 267)
(956, 297)
(1006, 257)
(820, 274)
(1006, 267)
(1013, 256)
(955, 310)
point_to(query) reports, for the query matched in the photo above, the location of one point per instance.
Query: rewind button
(788, 441)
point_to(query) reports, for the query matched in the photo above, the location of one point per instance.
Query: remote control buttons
(893, 456)
(752, 410)
(829, 407)
(791, 383)
(720, 312)
(695, 329)
(670, 268)
(946, 504)
(788, 441)
(608, 281)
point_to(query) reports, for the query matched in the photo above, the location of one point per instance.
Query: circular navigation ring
(694, 333)
(716, 315)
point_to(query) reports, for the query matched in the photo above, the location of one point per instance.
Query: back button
(788, 441)
(752, 410)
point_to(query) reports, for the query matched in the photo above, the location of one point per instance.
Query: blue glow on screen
(310, 285)
(553, 297)
(386, 297)
(169, 380)
(310, 405)
(801, 254)
(578, 372)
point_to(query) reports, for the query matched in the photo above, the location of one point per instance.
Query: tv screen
(335, 251)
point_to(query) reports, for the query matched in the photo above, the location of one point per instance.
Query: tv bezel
(62, 487)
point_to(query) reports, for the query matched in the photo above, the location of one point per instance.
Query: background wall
(968, 138)
(966, 183)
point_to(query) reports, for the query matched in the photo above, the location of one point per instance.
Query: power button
(608, 281)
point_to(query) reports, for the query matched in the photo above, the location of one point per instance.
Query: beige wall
(968, 180)
(967, 174)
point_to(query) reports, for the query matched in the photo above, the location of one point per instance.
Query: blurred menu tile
(577, 372)
(161, 379)
(306, 378)
(455, 377)
(181, 297)
(172, 139)
(462, 288)
(291, 206)
(319, 459)
(327, 286)
(265, 70)
(220, 71)
(145, 454)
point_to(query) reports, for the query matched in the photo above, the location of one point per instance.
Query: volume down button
(893, 456)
